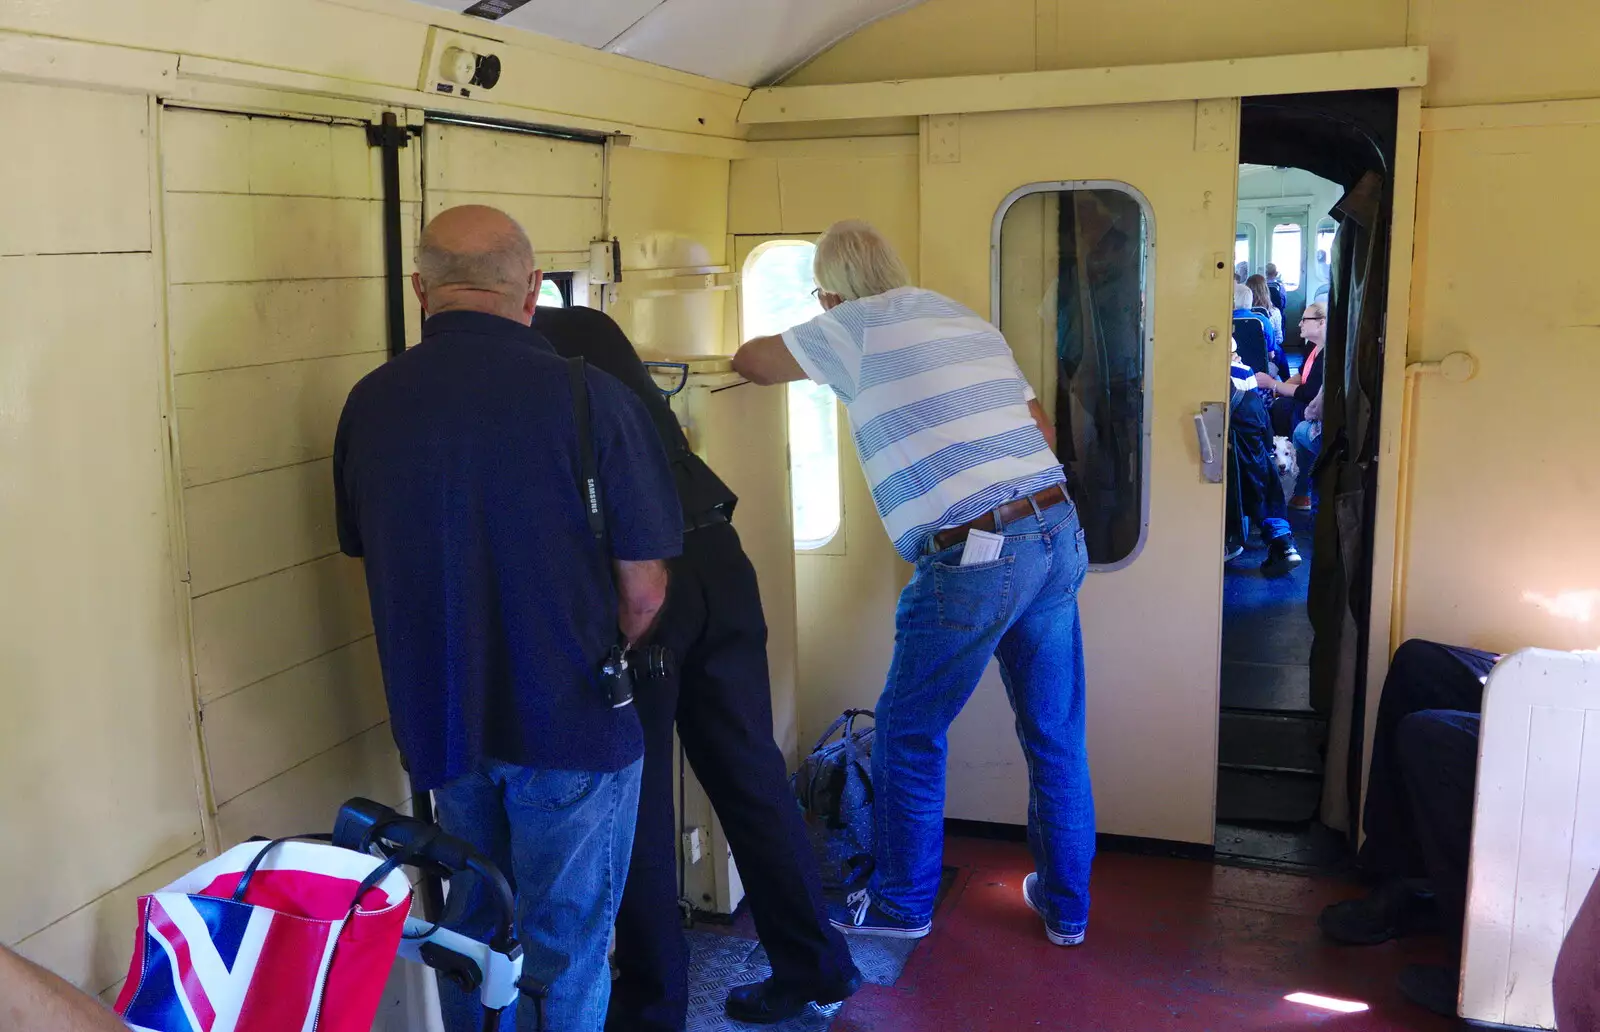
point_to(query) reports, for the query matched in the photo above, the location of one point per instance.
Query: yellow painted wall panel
(313, 159)
(251, 526)
(814, 196)
(256, 733)
(263, 627)
(56, 193)
(552, 223)
(1502, 482)
(670, 211)
(494, 161)
(259, 418)
(1484, 52)
(383, 44)
(214, 238)
(205, 152)
(91, 946)
(307, 797)
(96, 744)
(754, 206)
(215, 326)
(954, 37)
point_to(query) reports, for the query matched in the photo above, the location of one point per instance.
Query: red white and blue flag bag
(283, 936)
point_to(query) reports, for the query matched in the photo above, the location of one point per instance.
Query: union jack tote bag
(283, 936)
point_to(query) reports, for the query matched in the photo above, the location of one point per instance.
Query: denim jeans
(563, 839)
(1307, 444)
(1023, 610)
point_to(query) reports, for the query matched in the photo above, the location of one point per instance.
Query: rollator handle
(362, 824)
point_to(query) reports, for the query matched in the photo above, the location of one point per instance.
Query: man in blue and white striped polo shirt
(958, 453)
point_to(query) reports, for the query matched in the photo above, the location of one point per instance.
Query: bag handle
(255, 862)
(846, 720)
(379, 873)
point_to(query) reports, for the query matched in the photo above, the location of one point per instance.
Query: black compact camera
(622, 667)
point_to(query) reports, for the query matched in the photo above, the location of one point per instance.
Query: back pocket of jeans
(553, 789)
(974, 597)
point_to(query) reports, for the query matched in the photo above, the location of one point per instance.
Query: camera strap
(588, 469)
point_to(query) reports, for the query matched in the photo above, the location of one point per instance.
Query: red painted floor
(1173, 944)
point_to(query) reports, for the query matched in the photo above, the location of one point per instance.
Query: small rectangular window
(556, 290)
(1288, 253)
(1074, 271)
(777, 287)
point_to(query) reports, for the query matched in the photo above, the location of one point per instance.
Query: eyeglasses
(1313, 318)
(816, 292)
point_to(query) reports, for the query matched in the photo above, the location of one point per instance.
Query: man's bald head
(476, 258)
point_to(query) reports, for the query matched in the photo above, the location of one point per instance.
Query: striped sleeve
(828, 352)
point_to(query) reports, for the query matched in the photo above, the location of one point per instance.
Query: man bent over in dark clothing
(1418, 815)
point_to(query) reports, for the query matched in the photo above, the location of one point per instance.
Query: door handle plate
(1210, 425)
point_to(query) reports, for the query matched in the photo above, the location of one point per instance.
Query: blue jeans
(563, 839)
(1022, 609)
(1306, 448)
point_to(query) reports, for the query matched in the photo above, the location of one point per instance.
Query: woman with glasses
(1302, 390)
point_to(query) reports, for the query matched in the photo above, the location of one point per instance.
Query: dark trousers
(1258, 494)
(1418, 815)
(721, 701)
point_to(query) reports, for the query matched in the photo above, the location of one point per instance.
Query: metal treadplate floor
(718, 962)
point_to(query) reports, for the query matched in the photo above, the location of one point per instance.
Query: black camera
(623, 666)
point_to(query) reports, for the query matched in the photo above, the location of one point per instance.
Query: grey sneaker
(1059, 938)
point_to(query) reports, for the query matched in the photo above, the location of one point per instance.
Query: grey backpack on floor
(834, 788)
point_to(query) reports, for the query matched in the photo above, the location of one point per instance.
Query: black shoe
(1390, 911)
(769, 1002)
(1232, 548)
(1434, 988)
(1282, 558)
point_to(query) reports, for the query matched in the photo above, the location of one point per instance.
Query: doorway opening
(1311, 248)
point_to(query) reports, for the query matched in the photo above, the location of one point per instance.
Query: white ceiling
(748, 42)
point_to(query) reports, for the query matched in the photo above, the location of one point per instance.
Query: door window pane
(1244, 245)
(776, 288)
(1322, 259)
(1074, 269)
(1288, 253)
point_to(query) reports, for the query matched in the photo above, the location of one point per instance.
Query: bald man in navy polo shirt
(457, 478)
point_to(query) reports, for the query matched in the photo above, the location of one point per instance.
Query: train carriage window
(777, 286)
(1322, 259)
(1071, 290)
(556, 290)
(1244, 245)
(1288, 253)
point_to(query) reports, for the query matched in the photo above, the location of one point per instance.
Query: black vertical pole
(430, 886)
(391, 136)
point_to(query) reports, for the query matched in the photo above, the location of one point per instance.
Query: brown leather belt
(1009, 512)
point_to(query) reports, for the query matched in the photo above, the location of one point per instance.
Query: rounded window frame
(832, 544)
(1147, 291)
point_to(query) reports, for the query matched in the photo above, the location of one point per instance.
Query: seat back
(1535, 832)
(1251, 337)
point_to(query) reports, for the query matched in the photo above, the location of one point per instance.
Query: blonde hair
(854, 261)
(1315, 308)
